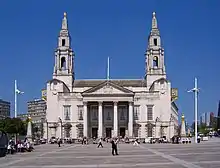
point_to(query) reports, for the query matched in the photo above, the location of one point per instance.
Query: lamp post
(196, 91)
(16, 92)
(47, 129)
(61, 129)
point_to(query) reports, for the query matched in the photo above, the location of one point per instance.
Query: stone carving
(107, 89)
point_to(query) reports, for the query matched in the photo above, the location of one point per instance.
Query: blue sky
(115, 28)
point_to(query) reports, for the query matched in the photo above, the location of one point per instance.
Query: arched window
(63, 63)
(155, 62)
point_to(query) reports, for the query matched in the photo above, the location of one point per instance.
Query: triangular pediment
(107, 87)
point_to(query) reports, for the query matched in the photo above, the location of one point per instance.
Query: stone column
(130, 122)
(100, 121)
(85, 120)
(115, 119)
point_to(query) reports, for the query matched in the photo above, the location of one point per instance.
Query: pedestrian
(100, 143)
(82, 141)
(136, 142)
(19, 147)
(114, 147)
(59, 142)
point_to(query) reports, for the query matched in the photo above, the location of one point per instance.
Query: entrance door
(122, 132)
(109, 132)
(94, 132)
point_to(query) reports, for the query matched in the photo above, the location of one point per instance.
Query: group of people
(114, 143)
(13, 147)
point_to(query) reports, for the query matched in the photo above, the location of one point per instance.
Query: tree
(13, 126)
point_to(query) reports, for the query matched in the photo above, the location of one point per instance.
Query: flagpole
(15, 92)
(108, 70)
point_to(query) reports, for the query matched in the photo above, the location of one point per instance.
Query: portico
(108, 118)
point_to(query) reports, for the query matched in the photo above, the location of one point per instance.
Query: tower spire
(155, 65)
(64, 56)
(64, 22)
(154, 26)
(154, 21)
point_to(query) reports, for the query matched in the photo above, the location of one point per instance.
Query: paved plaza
(205, 155)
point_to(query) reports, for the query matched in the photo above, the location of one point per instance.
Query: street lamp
(16, 92)
(61, 130)
(47, 129)
(196, 91)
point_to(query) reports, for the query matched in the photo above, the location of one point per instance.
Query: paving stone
(205, 155)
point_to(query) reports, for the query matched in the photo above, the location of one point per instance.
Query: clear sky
(115, 28)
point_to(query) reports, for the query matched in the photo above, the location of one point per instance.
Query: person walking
(114, 147)
(59, 142)
(136, 142)
(100, 143)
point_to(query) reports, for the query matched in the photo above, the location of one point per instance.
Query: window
(66, 112)
(108, 112)
(155, 61)
(63, 63)
(149, 112)
(80, 130)
(63, 42)
(108, 116)
(94, 112)
(122, 112)
(80, 112)
(67, 133)
(136, 112)
(155, 42)
(149, 131)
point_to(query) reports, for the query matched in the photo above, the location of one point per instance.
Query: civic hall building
(110, 107)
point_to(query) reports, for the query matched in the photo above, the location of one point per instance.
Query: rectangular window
(80, 112)
(155, 42)
(149, 112)
(122, 112)
(63, 42)
(136, 112)
(67, 112)
(94, 112)
(149, 131)
(108, 113)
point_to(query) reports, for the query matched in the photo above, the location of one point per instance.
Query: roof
(55, 80)
(120, 82)
(158, 80)
(108, 83)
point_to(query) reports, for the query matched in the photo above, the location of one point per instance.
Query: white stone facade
(110, 108)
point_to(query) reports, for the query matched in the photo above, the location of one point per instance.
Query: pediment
(108, 88)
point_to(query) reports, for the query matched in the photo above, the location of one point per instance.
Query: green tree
(12, 126)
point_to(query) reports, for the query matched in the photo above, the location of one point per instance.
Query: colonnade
(100, 119)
